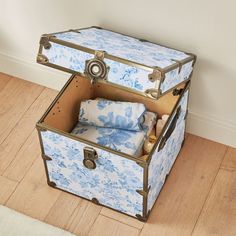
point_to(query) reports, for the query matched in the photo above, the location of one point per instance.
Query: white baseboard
(210, 127)
(33, 72)
(203, 125)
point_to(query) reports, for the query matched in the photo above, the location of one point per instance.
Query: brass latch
(90, 155)
(96, 68)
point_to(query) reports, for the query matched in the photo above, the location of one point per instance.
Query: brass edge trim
(143, 192)
(52, 184)
(42, 59)
(88, 142)
(167, 123)
(122, 60)
(46, 158)
(179, 63)
(95, 201)
(141, 218)
(106, 56)
(99, 27)
(90, 200)
(41, 125)
(176, 86)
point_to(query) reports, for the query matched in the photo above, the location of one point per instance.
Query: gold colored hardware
(52, 184)
(96, 68)
(42, 59)
(95, 201)
(46, 158)
(100, 54)
(90, 155)
(142, 192)
(44, 41)
(177, 92)
(152, 93)
(142, 218)
(155, 75)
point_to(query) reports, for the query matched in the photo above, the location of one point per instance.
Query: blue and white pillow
(112, 114)
(126, 141)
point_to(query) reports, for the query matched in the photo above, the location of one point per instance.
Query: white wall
(206, 28)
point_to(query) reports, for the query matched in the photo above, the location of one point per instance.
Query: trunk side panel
(163, 160)
(113, 183)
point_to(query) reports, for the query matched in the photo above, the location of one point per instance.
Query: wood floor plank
(63, 209)
(4, 79)
(15, 98)
(7, 187)
(229, 161)
(33, 196)
(122, 218)
(24, 159)
(12, 144)
(83, 218)
(186, 189)
(219, 213)
(108, 227)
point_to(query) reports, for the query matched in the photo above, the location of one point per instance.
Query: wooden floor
(199, 197)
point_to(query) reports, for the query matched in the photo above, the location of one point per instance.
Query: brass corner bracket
(42, 59)
(44, 41)
(52, 184)
(157, 74)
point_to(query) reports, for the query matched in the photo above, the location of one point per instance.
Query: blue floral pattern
(175, 77)
(112, 114)
(121, 46)
(114, 181)
(129, 142)
(163, 160)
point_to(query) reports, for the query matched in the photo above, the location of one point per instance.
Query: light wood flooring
(199, 197)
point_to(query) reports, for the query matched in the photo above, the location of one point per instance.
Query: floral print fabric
(163, 160)
(129, 142)
(122, 46)
(113, 182)
(112, 114)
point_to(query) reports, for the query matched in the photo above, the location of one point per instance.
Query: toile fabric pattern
(163, 160)
(122, 46)
(114, 181)
(112, 114)
(126, 141)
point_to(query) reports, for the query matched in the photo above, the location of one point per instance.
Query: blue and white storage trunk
(135, 64)
(112, 66)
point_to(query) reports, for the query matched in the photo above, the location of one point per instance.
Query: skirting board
(203, 125)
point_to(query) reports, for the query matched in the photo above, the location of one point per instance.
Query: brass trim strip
(121, 60)
(88, 142)
(106, 55)
(167, 123)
